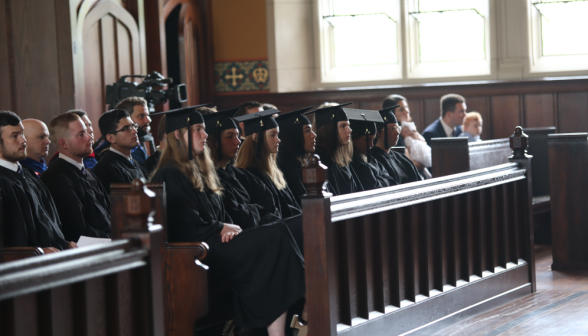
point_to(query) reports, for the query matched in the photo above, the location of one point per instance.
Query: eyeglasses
(127, 128)
(397, 128)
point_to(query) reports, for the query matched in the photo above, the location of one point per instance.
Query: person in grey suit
(453, 111)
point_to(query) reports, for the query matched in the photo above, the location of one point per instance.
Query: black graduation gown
(114, 168)
(82, 201)
(371, 174)
(262, 266)
(246, 199)
(30, 217)
(399, 167)
(152, 162)
(285, 201)
(292, 169)
(342, 180)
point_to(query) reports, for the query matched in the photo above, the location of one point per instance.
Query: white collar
(130, 158)
(9, 165)
(72, 161)
(448, 130)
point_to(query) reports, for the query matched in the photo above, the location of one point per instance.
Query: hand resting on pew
(70, 245)
(229, 231)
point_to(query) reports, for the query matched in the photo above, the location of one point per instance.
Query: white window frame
(549, 64)
(329, 73)
(416, 69)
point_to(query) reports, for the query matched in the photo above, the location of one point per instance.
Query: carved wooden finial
(314, 177)
(519, 142)
(138, 207)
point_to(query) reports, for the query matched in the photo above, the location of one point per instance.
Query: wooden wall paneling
(108, 47)
(65, 56)
(34, 34)
(572, 112)
(508, 108)
(417, 114)
(385, 240)
(62, 313)
(345, 284)
(26, 314)
(93, 102)
(373, 265)
(539, 110)
(482, 106)
(431, 112)
(6, 59)
(442, 248)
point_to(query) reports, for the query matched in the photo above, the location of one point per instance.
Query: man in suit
(453, 111)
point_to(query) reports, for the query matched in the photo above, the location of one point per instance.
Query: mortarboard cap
(292, 120)
(330, 115)
(182, 117)
(220, 121)
(388, 115)
(363, 121)
(258, 121)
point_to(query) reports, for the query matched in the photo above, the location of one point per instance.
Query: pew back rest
(377, 253)
(117, 209)
(538, 148)
(456, 155)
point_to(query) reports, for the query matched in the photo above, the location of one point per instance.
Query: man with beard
(37, 135)
(139, 111)
(90, 160)
(116, 164)
(81, 200)
(29, 215)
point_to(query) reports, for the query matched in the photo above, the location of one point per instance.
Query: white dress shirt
(9, 165)
(448, 130)
(78, 165)
(130, 158)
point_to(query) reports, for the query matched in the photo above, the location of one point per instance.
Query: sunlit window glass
(459, 21)
(564, 27)
(364, 32)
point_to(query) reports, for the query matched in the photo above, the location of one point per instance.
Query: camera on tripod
(123, 89)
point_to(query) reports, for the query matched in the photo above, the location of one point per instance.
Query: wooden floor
(560, 307)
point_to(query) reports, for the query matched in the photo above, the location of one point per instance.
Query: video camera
(123, 89)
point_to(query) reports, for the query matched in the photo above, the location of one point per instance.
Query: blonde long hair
(343, 155)
(267, 162)
(200, 171)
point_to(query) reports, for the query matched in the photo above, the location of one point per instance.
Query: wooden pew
(540, 174)
(387, 261)
(456, 155)
(568, 159)
(190, 303)
(106, 289)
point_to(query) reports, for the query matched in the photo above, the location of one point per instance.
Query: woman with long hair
(399, 167)
(298, 144)
(263, 266)
(258, 155)
(371, 173)
(246, 199)
(335, 149)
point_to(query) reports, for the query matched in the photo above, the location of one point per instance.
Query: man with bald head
(37, 135)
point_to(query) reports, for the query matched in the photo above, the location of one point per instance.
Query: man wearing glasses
(117, 165)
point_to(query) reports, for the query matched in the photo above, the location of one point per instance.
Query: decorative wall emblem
(241, 76)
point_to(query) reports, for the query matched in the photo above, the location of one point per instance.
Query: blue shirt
(38, 167)
(471, 138)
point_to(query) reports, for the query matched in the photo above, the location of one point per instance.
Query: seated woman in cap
(335, 149)
(263, 266)
(258, 155)
(371, 173)
(298, 144)
(399, 167)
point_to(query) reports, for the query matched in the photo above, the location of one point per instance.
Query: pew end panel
(387, 261)
(449, 156)
(568, 158)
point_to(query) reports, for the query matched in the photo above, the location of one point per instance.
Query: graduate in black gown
(117, 165)
(262, 266)
(258, 155)
(298, 144)
(247, 200)
(81, 200)
(335, 149)
(398, 165)
(371, 173)
(29, 214)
